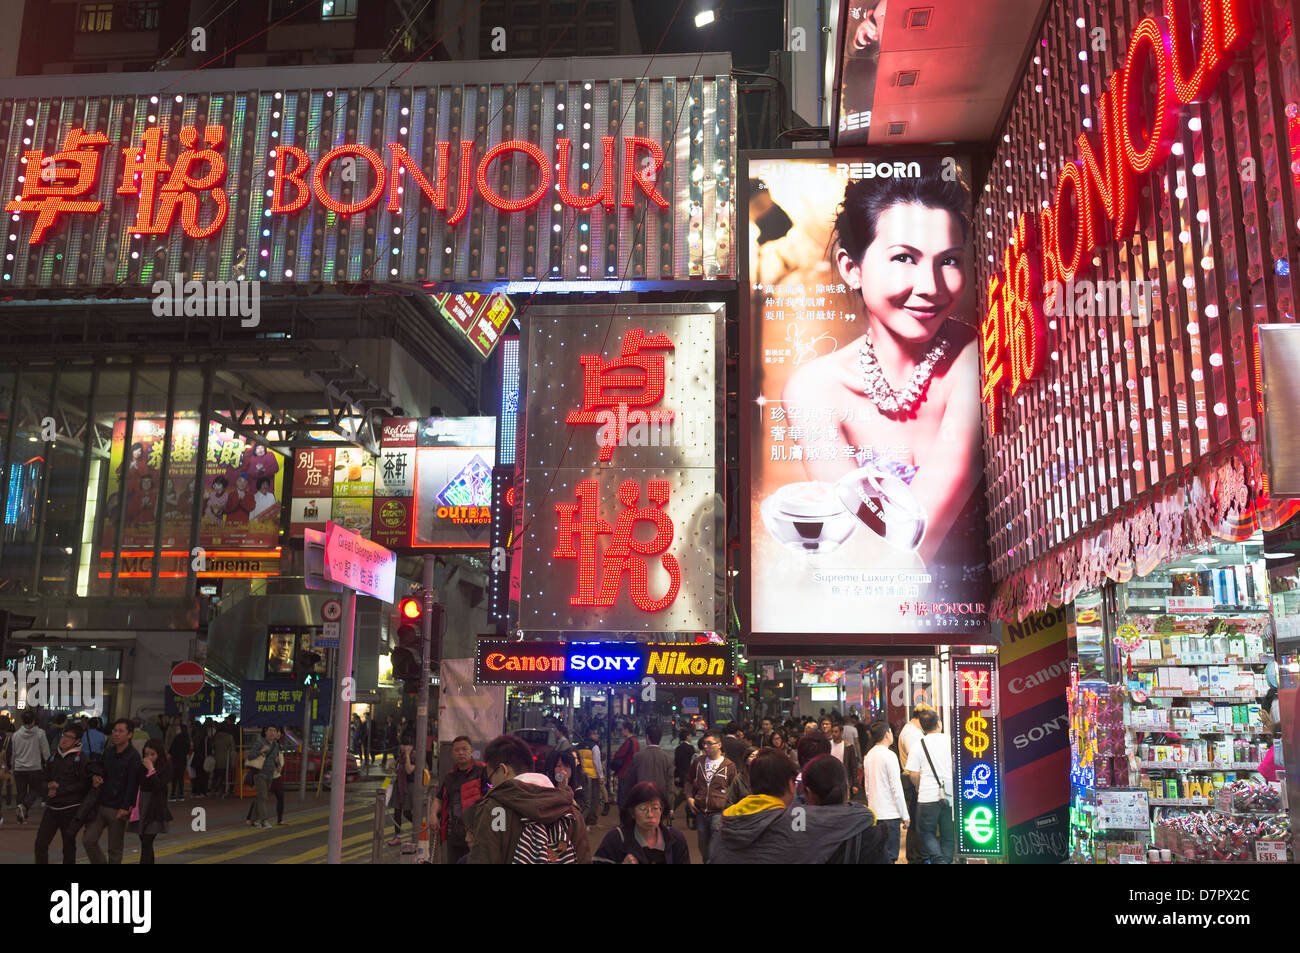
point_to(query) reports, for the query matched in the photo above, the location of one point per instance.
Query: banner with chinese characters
(241, 491)
(866, 512)
(281, 703)
(110, 187)
(622, 523)
(480, 317)
(977, 780)
(436, 469)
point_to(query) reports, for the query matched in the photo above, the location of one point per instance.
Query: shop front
(1137, 229)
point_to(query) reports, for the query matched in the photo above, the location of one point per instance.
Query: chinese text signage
(620, 529)
(281, 703)
(602, 663)
(356, 562)
(976, 776)
(369, 184)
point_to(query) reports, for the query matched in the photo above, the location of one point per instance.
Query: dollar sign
(976, 742)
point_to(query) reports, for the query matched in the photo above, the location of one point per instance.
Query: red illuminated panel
(402, 160)
(1190, 86)
(514, 205)
(606, 193)
(183, 188)
(53, 181)
(463, 192)
(1151, 38)
(991, 336)
(604, 391)
(322, 168)
(975, 688)
(643, 178)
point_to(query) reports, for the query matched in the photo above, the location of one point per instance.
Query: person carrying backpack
(524, 818)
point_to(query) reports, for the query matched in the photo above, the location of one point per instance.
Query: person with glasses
(706, 788)
(643, 836)
(524, 818)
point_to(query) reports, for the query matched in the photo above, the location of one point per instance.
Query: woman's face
(914, 274)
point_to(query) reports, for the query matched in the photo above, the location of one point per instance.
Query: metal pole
(304, 762)
(376, 844)
(422, 712)
(342, 684)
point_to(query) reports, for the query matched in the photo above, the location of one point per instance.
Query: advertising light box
(622, 524)
(499, 662)
(865, 459)
(976, 777)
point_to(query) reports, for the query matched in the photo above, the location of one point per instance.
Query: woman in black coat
(203, 735)
(643, 837)
(180, 750)
(150, 815)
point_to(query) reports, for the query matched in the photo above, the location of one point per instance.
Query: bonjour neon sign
(1094, 201)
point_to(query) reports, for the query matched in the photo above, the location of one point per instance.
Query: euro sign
(977, 739)
(979, 825)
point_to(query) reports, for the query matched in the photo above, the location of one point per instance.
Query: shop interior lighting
(1205, 560)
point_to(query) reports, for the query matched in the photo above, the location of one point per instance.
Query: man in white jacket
(885, 790)
(31, 749)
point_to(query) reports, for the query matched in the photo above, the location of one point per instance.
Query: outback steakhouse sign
(603, 663)
(1095, 200)
(414, 184)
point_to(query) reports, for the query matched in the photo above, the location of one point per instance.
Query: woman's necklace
(877, 389)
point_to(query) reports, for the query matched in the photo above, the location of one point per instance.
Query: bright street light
(703, 18)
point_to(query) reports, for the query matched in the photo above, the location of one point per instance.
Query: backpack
(541, 843)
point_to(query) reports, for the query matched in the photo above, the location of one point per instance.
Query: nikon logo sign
(602, 663)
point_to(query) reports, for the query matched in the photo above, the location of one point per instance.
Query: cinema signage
(1095, 200)
(499, 662)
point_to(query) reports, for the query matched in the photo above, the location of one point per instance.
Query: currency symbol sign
(976, 741)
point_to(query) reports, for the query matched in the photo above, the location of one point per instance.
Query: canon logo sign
(1058, 670)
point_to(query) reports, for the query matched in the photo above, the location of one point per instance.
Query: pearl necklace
(879, 392)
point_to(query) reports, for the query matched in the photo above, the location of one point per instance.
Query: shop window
(338, 9)
(95, 18)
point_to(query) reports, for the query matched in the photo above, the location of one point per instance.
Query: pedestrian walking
(223, 753)
(461, 788)
(150, 814)
(929, 765)
(389, 741)
(525, 819)
(847, 754)
(653, 764)
(118, 787)
(826, 784)
(263, 757)
(594, 769)
(66, 783)
(706, 789)
(202, 760)
(7, 787)
(29, 750)
(179, 749)
(683, 755)
(885, 794)
(907, 738)
(644, 835)
(621, 763)
(93, 740)
(404, 796)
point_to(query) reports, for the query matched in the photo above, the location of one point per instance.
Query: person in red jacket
(241, 501)
(622, 762)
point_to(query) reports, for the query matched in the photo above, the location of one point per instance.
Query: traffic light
(406, 654)
(410, 610)
(304, 666)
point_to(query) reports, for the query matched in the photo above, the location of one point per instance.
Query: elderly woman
(643, 837)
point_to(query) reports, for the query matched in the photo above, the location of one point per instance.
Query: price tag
(1270, 851)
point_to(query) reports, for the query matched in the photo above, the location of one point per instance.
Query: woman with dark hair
(908, 389)
(150, 815)
(642, 837)
(264, 761)
(778, 742)
(826, 782)
(404, 799)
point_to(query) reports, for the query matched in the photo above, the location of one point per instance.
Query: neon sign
(603, 663)
(1095, 196)
(69, 179)
(980, 812)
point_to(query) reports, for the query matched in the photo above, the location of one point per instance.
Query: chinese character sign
(866, 508)
(977, 777)
(621, 504)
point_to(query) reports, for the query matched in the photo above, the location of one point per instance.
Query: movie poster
(242, 489)
(866, 467)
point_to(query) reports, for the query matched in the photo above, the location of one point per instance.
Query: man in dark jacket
(733, 746)
(769, 828)
(621, 763)
(652, 763)
(524, 806)
(66, 783)
(117, 791)
(682, 757)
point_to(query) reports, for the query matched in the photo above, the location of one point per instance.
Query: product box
(1237, 647)
(1252, 715)
(1151, 650)
(1166, 649)
(1203, 678)
(1254, 645)
(1216, 679)
(1224, 715)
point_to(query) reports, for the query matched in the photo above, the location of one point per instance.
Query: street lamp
(704, 18)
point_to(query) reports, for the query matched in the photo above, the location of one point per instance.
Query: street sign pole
(422, 714)
(342, 685)
(304, 756)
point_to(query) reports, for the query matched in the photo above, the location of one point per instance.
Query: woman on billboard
(907, 456)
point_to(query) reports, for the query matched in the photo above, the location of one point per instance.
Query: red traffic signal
(410, 609)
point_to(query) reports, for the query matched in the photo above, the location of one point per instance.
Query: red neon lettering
(1072, 220)
(599, 386)
(514, 205)
(1238, 24)
(645, 178)
(181, 190)
(991, 336)
(1153, 36)
(49, 186)
(322, 168)
(286, 176)
(462, 194)
(402, 159)
(1107, 185)
(975, 686)
(1023, 305)
(606, 193)
(1189, 87)
(495, 661)
(625, 554)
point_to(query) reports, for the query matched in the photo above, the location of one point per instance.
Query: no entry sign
(187, 678)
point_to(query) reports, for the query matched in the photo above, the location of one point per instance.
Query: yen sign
(332, 610)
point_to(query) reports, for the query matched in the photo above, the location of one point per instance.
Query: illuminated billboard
(866, 493)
